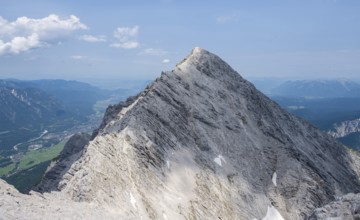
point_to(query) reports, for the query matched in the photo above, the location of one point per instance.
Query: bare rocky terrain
(345, 208)
(198, 143)
(345, 128)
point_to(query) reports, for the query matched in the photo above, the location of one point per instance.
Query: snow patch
(164, 216)
(168, 164)
(219, 160)
(13, 91)
(132, 200)
(125, 145)
(273, 179)
(272, 214)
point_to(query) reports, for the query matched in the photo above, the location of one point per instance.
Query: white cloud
(77, 57)
(166, 61)
(27, 33)
(126, 37)
(92, 38)
(154, 52)
(20, 44)
(124, 33)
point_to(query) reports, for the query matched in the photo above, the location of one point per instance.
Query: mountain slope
(346, 207)
(201, 143)
(77, 97)
(24, 113)
(26, 105)
(29, 108)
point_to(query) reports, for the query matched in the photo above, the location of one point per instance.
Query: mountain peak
(198, 50)
(194, 57)
(201, 62)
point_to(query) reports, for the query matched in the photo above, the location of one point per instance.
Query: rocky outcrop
(202, 143)
(345, 208)
(112, 111)
(60, 165)
(345, 128)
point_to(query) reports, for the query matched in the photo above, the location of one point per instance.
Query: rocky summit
(200, 142)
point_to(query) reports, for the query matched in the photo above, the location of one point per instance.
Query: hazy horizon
(138, 83)
(137, 40)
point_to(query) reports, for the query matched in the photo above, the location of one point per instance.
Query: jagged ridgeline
(198, 143)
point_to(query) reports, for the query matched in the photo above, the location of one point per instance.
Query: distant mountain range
(77, 97)
(318, 89)
(25, 113)
(28, 108)
(331, 105)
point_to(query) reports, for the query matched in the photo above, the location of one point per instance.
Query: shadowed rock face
(202, 143)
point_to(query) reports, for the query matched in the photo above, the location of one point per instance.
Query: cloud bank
(25, 33)
(126, 37)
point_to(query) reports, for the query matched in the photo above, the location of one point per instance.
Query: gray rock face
(71, 152)
(202, 143)
(345, 208)
(345, 128)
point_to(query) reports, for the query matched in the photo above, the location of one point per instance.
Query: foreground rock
(200, 143)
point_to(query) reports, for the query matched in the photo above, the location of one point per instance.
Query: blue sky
(115, 40)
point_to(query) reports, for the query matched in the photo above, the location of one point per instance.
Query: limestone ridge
(202, 112)
(111, 113)
(201, 143)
